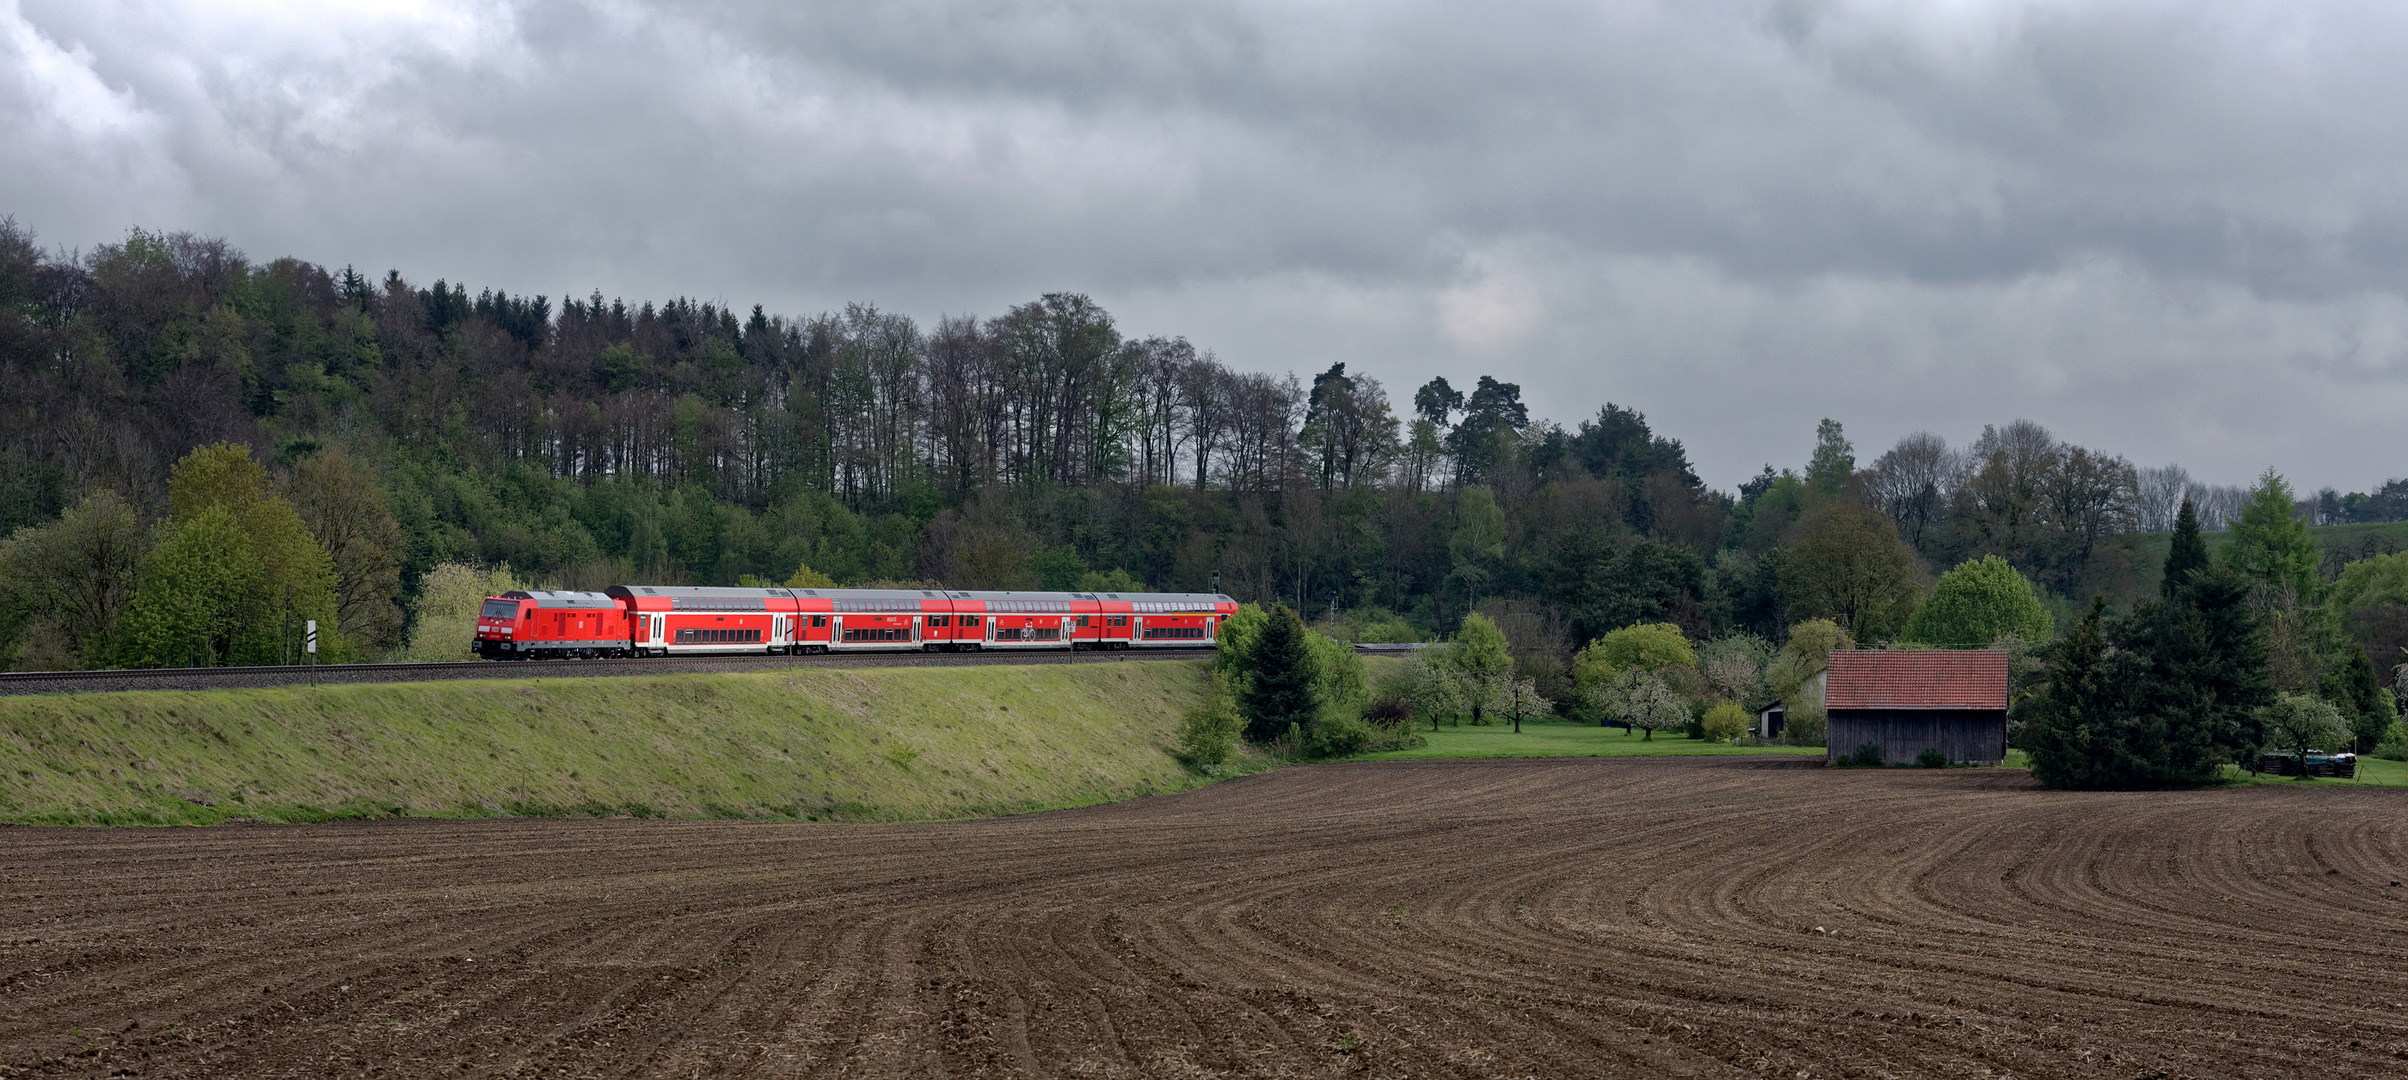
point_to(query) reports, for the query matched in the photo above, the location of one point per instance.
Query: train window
(819, 620)
(500, 609)
(1082, 620)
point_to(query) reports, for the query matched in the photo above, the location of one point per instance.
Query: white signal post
(309, 644)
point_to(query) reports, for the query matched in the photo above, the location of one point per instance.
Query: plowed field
(1626, 917)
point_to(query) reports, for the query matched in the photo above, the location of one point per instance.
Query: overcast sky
(2173, 231)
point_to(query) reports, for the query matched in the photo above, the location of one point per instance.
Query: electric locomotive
(549, 625)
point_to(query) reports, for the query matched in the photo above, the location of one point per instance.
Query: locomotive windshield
(501, 609)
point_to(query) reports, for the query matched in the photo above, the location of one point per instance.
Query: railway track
(225, 678)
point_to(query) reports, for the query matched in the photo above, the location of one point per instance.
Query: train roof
(693, 591)
(696, 592)
(560, 598)
(873, 594)
(1164, 597)
(1193, 599)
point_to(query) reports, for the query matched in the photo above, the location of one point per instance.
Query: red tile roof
(1917, 679)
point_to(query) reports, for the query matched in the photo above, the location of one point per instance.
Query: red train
(661, 620)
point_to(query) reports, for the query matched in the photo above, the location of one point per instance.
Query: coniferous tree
(2175, 699)
(2073, 717)
(2188, 554)
(1278, 688)
(2271, 544)
(2227, 660)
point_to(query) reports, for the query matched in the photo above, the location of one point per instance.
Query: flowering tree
(1519, 696)
(1435, 685)
(1642, 700)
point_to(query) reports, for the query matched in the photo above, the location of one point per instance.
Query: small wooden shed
(1906, 701)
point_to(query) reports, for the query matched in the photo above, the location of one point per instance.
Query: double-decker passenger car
(684, 620)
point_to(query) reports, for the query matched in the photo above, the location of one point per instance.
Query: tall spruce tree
(2074, 715)
(1278, 688)
(2188, 554)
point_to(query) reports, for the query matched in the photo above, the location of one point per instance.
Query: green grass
(2372, 772)
(874, 744)
(1556, 738)
(2353, 541)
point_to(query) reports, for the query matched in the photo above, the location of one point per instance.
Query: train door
(1136, 629)
(777, 631)
(1067, 639)
(915, 629)
(1208, 620)
(836, 632)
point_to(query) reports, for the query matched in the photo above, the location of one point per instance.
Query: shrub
(1208, 733)
(1337, 671)
(2394, 746)
(1236, 635)
(1341, 735)
(1725, 721)
(1867, 755)
(1932, 758)
(1389, 710)
(1805, 725)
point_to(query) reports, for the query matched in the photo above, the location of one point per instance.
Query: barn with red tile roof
(1906, 701)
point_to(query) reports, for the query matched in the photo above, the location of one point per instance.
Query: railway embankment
(794, 743)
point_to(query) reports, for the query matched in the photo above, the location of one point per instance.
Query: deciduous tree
(2301, 724)
(1849, 566)
(342, 503)
(1642, 700)
(64, 586)
(1979, 603)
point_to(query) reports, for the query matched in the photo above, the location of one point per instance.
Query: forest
(167, 400)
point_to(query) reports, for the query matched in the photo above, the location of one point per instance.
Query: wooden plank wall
(1963, 734)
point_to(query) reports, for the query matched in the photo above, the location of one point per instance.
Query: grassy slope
(1560, 739)
(897, 743)
(2357, 540)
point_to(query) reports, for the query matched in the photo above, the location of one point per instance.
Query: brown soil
(1628, 917)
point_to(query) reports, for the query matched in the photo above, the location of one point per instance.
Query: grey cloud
(1731, 215)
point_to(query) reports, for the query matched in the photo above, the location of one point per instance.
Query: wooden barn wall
(1962, 734)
